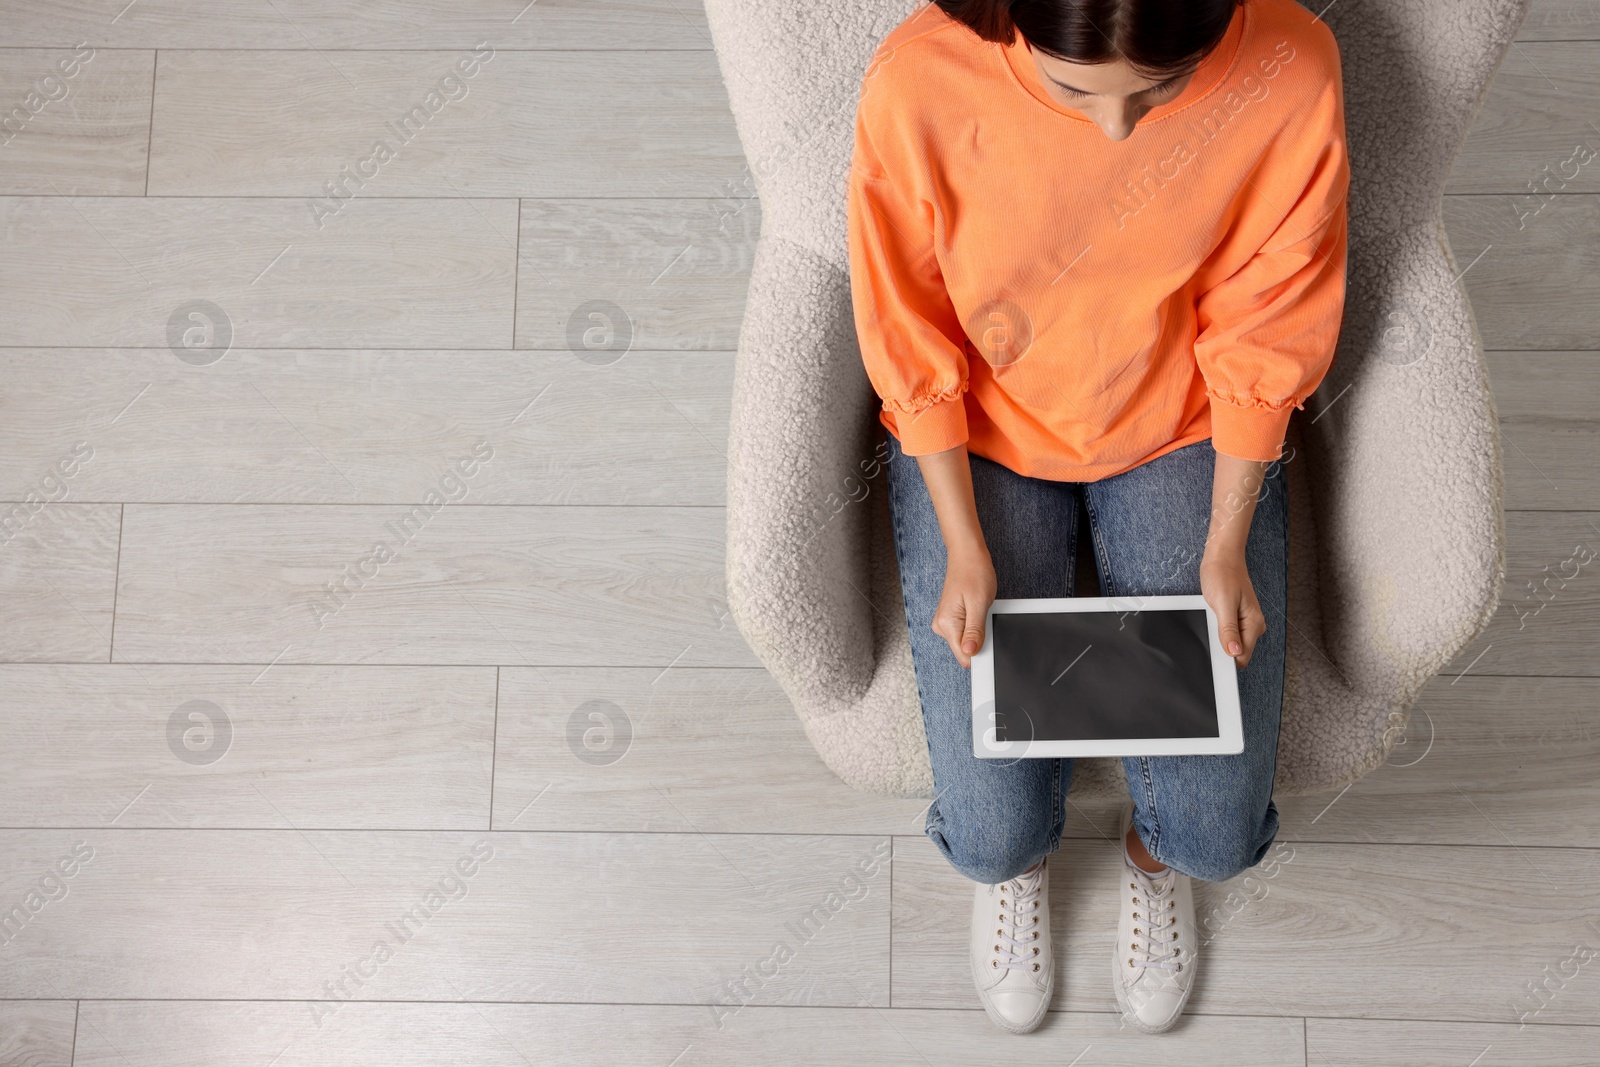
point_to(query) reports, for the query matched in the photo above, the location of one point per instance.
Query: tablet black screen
(1101, 675)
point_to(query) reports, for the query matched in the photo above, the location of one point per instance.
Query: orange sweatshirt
(1070, 306)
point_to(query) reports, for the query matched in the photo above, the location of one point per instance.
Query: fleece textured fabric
(1070, 306)
(1396, 539)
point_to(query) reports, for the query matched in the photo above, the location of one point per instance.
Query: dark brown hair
(1155, 37)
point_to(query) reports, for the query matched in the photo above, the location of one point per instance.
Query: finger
(972, 637)
(1228, 627)
(951, 626)
(1255, 624)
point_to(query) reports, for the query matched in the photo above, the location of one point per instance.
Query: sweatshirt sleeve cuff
(1254, 433)
(935, 428)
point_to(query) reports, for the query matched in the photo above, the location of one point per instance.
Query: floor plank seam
(857, 1007)
(516, 275)
(150, 122)
(116, 581)
(494, 746)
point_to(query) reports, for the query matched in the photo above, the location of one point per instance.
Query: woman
(1097, 253)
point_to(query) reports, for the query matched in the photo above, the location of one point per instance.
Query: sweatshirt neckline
(1209, 76)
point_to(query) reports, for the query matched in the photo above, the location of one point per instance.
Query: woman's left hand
(1225, 583)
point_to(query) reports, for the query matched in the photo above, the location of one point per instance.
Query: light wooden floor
(255, 785)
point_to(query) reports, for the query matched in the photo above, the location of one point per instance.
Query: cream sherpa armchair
(1396, 530)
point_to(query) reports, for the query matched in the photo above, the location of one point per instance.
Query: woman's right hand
(969, 587)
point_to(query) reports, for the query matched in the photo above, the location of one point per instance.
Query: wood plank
(37, 1033)
(1462, 772)
(1561, 20)
(58, 567)
(579, 586)
(337, 747)
(1534, 137)
(674, 274)
(306, 24)
(1532, 287)
(1550, 430)
(714, 751)
(1334, 932)
(451, 123)
(1403, 1043)
(76, 121)
(198, 1034)
(267, 426)
(1547, 620)
(126, 271)
(285, 915)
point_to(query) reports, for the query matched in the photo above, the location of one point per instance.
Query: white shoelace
(1019, 913)
(1157, 927)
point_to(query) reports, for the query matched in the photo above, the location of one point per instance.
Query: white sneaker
(1012, 965)
(1154, 965)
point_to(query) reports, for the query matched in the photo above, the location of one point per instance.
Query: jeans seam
(1103, 563)
(1072, 545)
(1283, 509)
(1053, 839)
(1154, 844)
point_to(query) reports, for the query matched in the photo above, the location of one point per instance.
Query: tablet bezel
(1224, 678)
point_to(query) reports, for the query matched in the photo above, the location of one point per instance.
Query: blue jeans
(1209, 817)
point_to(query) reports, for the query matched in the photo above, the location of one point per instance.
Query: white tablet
(1104, 676)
